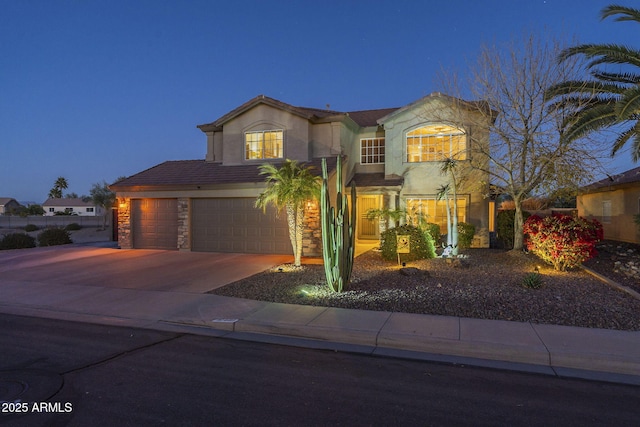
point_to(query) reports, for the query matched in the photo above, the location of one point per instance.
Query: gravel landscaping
(487, 284)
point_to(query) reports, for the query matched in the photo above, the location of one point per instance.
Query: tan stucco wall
(424, 179)
(624, 205)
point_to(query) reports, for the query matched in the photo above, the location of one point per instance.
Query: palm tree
(58, 186)
(609, 98)
(290, 187)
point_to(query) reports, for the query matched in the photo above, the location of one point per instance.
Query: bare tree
(527, 152)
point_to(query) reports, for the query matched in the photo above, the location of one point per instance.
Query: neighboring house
(613, 201)
(8, 204)
(71, 206)
(392, 155)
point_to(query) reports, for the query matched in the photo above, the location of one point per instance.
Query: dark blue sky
(94, 90)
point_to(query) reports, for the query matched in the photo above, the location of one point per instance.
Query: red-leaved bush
(561, 240)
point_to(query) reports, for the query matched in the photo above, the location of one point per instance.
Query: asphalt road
(93, 375)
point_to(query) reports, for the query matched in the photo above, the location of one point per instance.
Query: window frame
(427, 150)
(463, 211)
(380, 155)
(263, 145)
(606, 206)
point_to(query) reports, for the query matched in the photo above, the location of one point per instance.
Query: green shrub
(562, 240)
(17, 241)
(532, 281)
(505, 223)
(433, 230)
(54, 237)
(73, 226)
(421, 244)
(30, 227)
(466, 232)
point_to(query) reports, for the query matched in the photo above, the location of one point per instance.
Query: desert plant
(290, 187)
(561, 240)
(30, 227)
(386, 215)
(338, 226)
(17, 241)
(532, 281)
(421, 244)
(73, 226)
(466, 232)
(54, 237)
(505, 225)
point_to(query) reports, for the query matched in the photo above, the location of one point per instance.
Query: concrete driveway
(153, 270)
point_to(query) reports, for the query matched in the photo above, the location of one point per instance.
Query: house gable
(305, 132)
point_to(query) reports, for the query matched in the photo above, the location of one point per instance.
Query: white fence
(10, 221)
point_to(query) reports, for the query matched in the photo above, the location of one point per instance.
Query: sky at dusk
(95, 90)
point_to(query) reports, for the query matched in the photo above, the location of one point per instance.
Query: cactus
(338, 236)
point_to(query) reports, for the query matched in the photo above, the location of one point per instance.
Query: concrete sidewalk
(599, 354)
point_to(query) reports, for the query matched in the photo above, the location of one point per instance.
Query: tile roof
(5, 200)
(363, 118)
(366, 118)
(200, 172)
(628, 177)
(67, 202)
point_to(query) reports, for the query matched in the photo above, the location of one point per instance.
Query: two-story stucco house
(393, 155)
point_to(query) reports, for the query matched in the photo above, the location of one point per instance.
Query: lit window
(430, 209)
(436, 143)
(263, 145)
(372, 150)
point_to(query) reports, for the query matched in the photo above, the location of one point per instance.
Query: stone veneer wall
(312, 235)
(124, 224)
(184, 240)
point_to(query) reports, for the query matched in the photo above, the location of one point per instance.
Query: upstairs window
(267, 144)
(371, 151)
(435, 143)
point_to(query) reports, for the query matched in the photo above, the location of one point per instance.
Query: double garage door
(235, 225)
(217, 225)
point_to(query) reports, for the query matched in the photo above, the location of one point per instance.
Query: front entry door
(368, 229)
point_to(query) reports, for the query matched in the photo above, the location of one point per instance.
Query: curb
(612, 283)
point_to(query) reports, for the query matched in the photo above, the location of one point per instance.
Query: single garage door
(154, 223)
(235, 225)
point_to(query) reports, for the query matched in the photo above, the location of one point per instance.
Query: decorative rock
(456, 263)
(412, 271)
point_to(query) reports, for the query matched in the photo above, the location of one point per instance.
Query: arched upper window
(434, 143)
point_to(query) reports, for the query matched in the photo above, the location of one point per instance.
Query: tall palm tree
(609, 98)
(290, 186)
(58, 186)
